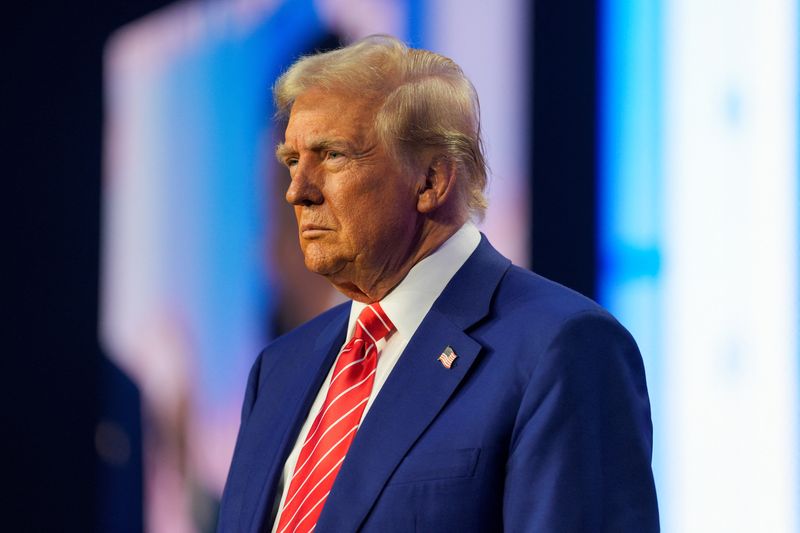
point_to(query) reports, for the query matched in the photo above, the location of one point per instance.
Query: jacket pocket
(438, 465)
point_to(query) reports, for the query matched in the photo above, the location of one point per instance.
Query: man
(456, 392)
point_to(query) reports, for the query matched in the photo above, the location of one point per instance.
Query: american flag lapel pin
(447, 357)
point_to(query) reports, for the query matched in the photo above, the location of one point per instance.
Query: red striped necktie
(336, 424)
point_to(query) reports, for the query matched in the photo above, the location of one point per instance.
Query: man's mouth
(310, 231)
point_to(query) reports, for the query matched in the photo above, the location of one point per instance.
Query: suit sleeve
(247, 407)
(250, 391)
(581, 448)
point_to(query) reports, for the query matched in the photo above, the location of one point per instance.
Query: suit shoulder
(301, 339)
(306, 334)
(533, 314)
(523, 290)
(538, 310)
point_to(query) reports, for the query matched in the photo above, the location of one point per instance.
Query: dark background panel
(564, 154)
(52, 117)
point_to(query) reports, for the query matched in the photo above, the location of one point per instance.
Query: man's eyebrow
(282, 151)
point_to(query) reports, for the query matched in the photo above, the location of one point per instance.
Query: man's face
(355, 205)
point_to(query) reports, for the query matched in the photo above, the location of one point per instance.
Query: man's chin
(337, 275)
(323, 266)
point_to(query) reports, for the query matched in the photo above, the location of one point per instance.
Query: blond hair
(425, 99)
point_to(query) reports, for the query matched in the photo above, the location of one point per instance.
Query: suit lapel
(415, 392)
(279, 424)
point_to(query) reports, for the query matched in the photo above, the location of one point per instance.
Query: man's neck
(430, 237)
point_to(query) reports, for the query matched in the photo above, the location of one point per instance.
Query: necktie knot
(373, 324)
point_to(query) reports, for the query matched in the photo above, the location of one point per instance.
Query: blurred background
(644, 153)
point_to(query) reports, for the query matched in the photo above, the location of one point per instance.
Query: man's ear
(438, 186)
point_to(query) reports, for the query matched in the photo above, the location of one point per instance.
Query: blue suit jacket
(542, 424)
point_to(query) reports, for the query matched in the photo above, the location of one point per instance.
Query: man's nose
(303, 189)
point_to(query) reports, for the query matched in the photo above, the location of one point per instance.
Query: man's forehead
(333, 106)
(335, 97)
(324, 119)
(313, 129)
(317, 102)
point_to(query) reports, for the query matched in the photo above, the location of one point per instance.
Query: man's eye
(290, 162)
(334, 155)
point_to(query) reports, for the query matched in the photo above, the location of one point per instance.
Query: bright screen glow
(717, 120)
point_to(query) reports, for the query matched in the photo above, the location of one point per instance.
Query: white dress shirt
(406, 305)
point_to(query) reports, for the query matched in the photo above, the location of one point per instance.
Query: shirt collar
(408, 303)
